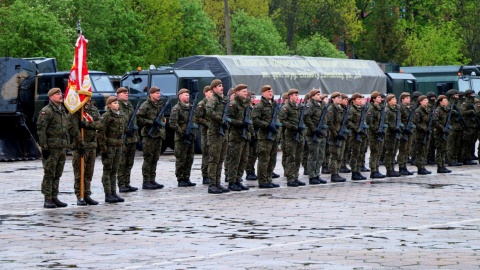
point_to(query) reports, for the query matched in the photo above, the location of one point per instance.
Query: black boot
(305, 171)
(251, 176)
(292, 184)
(158, 186)
(321, 181)
(206, 181)
(124, 189)
(363, 177)
(234, 187)
(423, 171)
(81, 202)
(469, 162)
(364, 169)
(345, 170)
(132, 188)
(313, 181)
(356, 176)
(189, 183)
(214, 190)
(119, 199)
(110, 199)
(49, 204)
(300, 183)
(223, 189)
(238, 183)
(443, 170)
(274, 175)
(90, 201)
(376, 175)
(393, 173)
(182, 183)
(59, 203)
(405, 171)
(336, 178)
(148, 185)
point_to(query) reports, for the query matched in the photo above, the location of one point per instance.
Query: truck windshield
(101, 83)
(136, 83)
(166, 82)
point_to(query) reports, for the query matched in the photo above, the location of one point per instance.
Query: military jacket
(262, 117)
(334, 119)
(179, 121)
(354, 116)
(455, 120)
(421, 118)
(374, 113)
(93, 123)
(405, 111)
(439, 119)
(236, 112)
(289, 116)
(469, 112)
(391, 118)
(313, 114)
(215, 107)
(127, 109)
(112, 132)
(52, 127)
(146, 114)
(201, 115)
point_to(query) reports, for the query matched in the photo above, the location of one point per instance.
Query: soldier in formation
(202, 121)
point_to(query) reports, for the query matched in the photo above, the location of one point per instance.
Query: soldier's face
(424, 102)
(185, 97)
(444, 102)
(113, 106)
(208, 94)
(317, 97)
(57, 98)
(393, 101)
(218, 89)
(123, 96)
(378, 100)
(155, 96)
(344, 101)
(358, 101)
(337, 99)
(406, 100)
(242, 93)
(268, 94)
(293, 97)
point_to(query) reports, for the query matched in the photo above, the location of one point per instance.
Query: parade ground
(414, 222)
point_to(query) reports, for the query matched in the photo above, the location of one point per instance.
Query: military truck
(169, 80)
(24, 84)
(397, 82)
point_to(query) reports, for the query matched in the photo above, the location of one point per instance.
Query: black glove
(81, 151)
(272, 129)
(104, 155)
(83, 124)
(130, 132)
(45, 153)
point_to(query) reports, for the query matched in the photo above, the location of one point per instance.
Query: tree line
(125, 34)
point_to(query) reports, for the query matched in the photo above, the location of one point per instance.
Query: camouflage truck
(169, 81)
(24, 84)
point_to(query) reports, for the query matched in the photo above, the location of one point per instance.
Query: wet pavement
(415, 222)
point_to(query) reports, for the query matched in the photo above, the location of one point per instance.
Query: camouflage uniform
(392, 139)
(454, 142)
(316, 150)
(184, 152)
(201, 116)
(477, 105)
(52, 128)
(356, 140)
(405, 145)
(334, 121)
(469, 112)
(373, 121)
(89, 144)
(128, 156)
(217, 142)
(266, 149)
(238, 146)
(111, 140)
(432, 143)
(151, 145)
(439, 120)
(289, 116)
(252, 155)
(421, 119)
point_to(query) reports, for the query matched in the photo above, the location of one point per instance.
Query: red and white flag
(79, 89)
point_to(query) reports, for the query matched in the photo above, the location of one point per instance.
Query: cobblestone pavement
(415, 222)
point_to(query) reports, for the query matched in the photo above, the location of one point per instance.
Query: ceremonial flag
(79, 89)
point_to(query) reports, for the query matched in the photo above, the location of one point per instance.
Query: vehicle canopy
(285, 72)
(397, 83)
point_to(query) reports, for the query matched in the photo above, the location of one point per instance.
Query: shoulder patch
(369, 113)
(285, 109)
(436, 112)
(230, 105)
(255, 107)
(43, 112)
(199, 106)
(330, 112)
(174, 109)
(416, 113)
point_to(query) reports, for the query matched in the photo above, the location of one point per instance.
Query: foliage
(255, 36)
(470, 29)
(318, 46)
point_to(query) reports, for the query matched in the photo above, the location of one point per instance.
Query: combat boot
(182, 183)
(119, 199)
(214, 190)
(124, 189)
(443, 170)
(223, 189)
(234, 187)
(469, 162)
(81, 202)
(59, 203)
(376, 175)
(405, 171)
(242, 186)
(90, 201)
(336, 178)
(274, 175)
(320, 180)
(423, 171)
(305, 172)
(132, 188)
(265, 185)
(356, 176)
(189, 183)
(206, 181)
(292, 184)
(49, 204)
(273, 185)
(300, 183)
(251, 177)
(148, 185)
(110, 199)
(313, 181)
(157, 185)
(345, 170)
(364, 169)
(393, 173)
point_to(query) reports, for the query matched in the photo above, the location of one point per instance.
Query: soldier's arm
(200, 115)
(142, 118)
(42, 126)
(351, 125)
(258, 119)
(73, 127)
(212, 114)
(331, 127)
(467, 110)
(436, 121)
(307, 119)
(101, 134)
(232, 113)
(283, 117)
(174, 116)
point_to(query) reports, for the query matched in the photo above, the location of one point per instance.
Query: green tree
(33, 31)
(470, 28)
(318, 46)
(255, 36)
(435, 45)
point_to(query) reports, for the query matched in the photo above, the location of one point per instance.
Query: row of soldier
(237, 129)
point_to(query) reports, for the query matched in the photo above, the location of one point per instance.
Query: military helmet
(461, 94)
(469, 93)
(451, 92)
(431, 94)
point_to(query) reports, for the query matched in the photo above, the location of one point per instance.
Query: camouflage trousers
(152, 148)
(110, 169)
(227, 159)
(316, 154)
(468, 141)
(336, 150)
(252, 158)
(326, 160)
(184, 154)
(88, 165)
(126, 164)
(238, 152)
(391, 148)
(305, 156)
(454, 146)
(267, 159)
(356, 152)
(404, 150)
(205, 155)
(285, 154)
(431, 148)
(52, 171)
(440, 150)
(376, 147)
(347, 153)
(217, 152)
(363, 151)
(420, 151)
(294, 158)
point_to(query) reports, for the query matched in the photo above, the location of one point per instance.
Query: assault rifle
(131, 125)
(343, 132)
(301, 124)
(158, 122)
(447, 127)
(225, 119)
(362, 126)
(274, 124)
(381, 125)
(410, 126)
(429, 126)
(398, 125)
(321, 127)
(246, 120)
(460, 117)
(190, 124)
